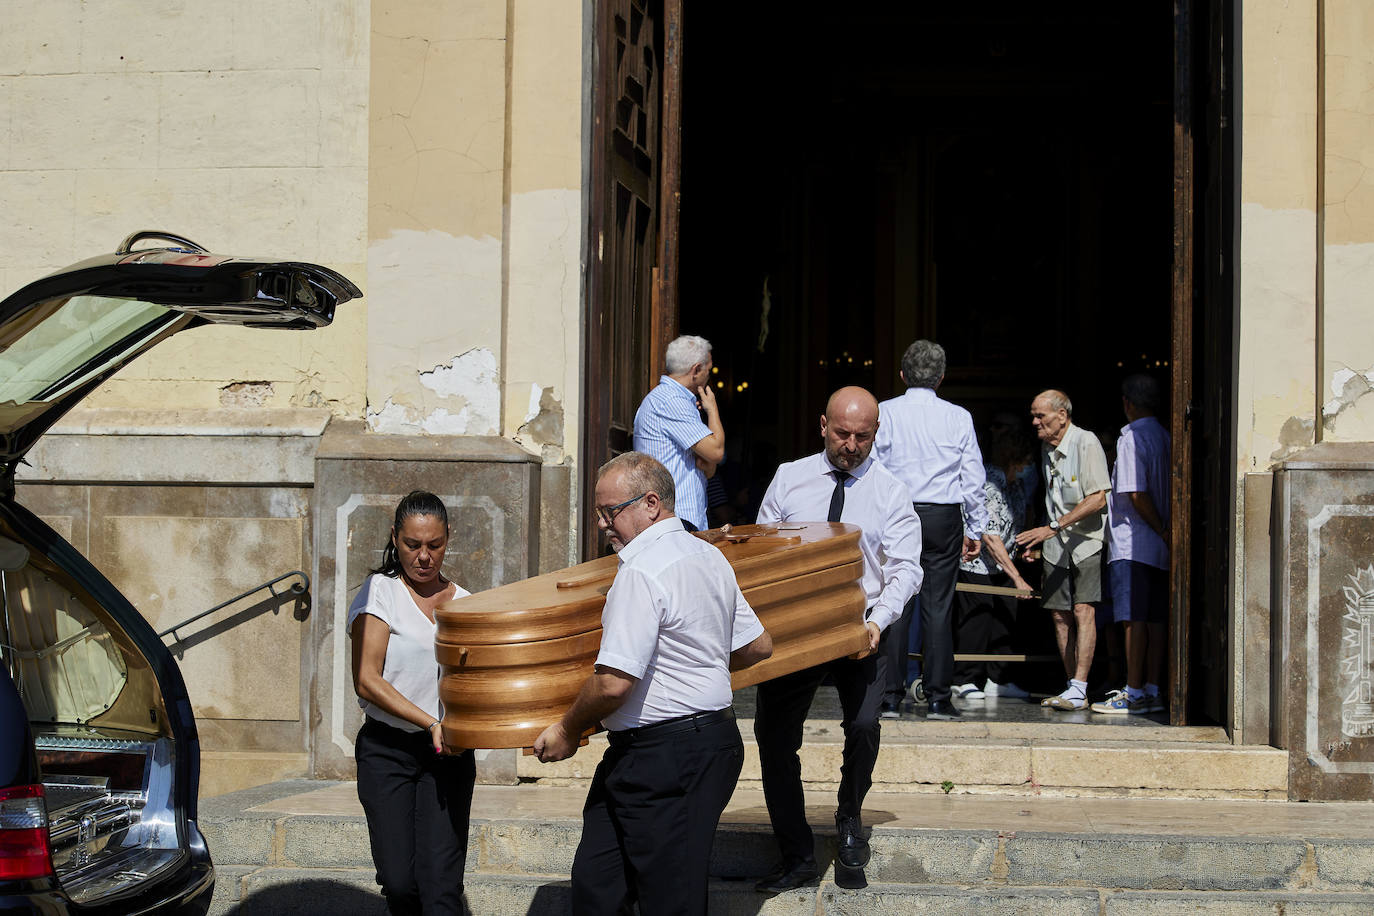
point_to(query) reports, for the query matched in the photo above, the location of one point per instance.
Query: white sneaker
(968, 692)
(994, 689)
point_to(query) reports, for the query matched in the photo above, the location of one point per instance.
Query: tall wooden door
(632, 242)
(1204, 252)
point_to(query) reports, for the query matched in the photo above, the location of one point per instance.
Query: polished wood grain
(513, 658)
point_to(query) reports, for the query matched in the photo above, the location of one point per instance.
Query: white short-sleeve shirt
(410, 665)
(672, 617)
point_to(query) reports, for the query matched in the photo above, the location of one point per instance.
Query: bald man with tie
(840, 484)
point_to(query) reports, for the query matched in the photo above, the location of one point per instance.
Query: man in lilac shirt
(1138, 547)
(668, 426)
(929, 445)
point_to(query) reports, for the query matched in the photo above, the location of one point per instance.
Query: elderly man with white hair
(1076, 487)
(669, 427)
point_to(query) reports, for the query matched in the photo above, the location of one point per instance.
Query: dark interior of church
(993, 177)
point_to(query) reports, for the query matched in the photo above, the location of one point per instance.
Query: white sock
(1078, 690)
(1134, 693)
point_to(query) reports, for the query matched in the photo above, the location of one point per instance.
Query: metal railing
(297, 588)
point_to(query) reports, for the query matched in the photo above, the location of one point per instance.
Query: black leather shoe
(853, 849)
(785, 877)
(943, 709)
(889, 710)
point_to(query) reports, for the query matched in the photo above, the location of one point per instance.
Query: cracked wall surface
(1280, 384)
(475, 221)
(197, 119)
(1348, 411)
(1277, 314)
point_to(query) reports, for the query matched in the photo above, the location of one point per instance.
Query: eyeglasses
(607, 514)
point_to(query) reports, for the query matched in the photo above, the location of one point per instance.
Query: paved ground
(1184, 817)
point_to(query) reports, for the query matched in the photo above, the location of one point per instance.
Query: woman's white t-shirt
(410, 666)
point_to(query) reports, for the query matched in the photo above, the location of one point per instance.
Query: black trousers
(650, 818)
(942, 541)
(417, 804)
(782, 707)
(983, 624)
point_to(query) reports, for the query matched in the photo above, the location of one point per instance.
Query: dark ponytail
(416, 503)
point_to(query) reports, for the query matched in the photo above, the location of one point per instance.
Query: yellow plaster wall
(436, 215)
(475, 220)
(239, 125)
(1275, 394)
(1348, 371)
(543, 333)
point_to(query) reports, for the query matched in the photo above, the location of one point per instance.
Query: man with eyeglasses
(841, 484)
(674, 626)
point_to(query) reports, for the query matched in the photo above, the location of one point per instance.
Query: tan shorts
(1076, 583)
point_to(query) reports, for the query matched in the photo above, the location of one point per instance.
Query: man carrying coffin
(674, 625)
(840, 484)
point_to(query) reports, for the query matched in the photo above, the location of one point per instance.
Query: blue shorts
(1140, 592)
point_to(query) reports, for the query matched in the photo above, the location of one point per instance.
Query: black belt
(691, 721)
(936, 505)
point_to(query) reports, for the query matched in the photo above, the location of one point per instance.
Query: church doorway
(1002, 178)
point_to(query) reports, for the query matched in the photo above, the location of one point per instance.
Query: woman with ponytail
(415, 790)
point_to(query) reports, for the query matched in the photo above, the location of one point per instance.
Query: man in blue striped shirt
(668, 426)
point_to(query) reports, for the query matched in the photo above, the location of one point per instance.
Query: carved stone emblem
(1357, 656)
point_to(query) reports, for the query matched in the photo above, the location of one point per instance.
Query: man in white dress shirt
(929, 444)
(841, 484)
(674, 625)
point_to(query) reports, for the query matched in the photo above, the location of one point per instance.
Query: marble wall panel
(1327, 621)
(492, 491)
(175, 550)
(1252, 681)
(243, 662)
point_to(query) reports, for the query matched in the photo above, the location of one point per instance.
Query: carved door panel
(627, 102)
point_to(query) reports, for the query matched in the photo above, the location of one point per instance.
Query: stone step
(1011, 758)
(995, 845)
(296, 891)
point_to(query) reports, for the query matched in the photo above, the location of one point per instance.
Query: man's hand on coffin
(554, 744)
(874, 635)
(602, 694)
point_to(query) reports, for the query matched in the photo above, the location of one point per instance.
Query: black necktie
(837, 497)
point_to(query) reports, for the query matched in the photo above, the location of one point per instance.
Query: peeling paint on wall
(543, 426)
(245, 394)
(434, 295)
(1350, 385)
(468, 389)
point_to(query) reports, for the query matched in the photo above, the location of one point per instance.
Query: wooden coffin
(513, 658)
